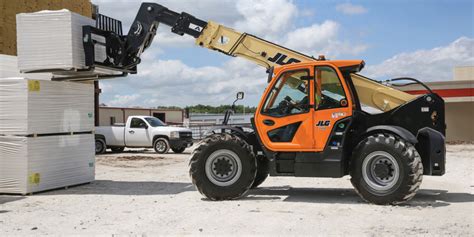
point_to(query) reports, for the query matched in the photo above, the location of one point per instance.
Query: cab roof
(352, 66)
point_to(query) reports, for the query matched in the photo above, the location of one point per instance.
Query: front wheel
(161, 145)
(386, 170)
(223, 167)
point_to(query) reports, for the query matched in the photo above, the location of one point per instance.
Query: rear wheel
(117, 149)
(100, 146)
(386, 170)
(161, 145)
(223, 167)
(263, 168)
(178, 150)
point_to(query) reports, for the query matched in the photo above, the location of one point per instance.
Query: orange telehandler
(309, 122)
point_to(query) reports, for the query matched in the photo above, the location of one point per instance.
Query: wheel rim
(160, 146)
(98, 146)
(380, 171)
(223, 167)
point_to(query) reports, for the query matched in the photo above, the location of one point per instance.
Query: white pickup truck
(142, 131)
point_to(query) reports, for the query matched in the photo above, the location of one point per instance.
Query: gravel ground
(142, 193)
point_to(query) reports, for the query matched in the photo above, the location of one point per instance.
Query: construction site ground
(139, 192)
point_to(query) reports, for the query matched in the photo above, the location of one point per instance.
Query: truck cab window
(289, 95)
(137, 123)
(329, 92)
(154, 122)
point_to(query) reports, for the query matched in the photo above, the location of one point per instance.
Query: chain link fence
(201, 130)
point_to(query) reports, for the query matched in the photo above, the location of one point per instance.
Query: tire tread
(414, 164)
(198, 153)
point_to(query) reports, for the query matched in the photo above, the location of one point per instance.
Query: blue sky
(423, 39)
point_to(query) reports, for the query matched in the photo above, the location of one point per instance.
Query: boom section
(228, 41)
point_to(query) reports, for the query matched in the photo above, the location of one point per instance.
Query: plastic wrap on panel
(34, 164)
(13, 170)
(51, 40)
(29, 107)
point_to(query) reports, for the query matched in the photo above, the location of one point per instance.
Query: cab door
(332, 105)
(284, 120)
(136, 135)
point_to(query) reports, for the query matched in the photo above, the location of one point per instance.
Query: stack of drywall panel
(50, 40)
(9, 68)
(46, 135)
(30, 107)
(9, 9)
(34, 164)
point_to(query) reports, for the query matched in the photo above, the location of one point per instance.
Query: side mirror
(240, 95)
(270, 74)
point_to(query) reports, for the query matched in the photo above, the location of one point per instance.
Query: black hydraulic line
(406, 84)
(410, 79)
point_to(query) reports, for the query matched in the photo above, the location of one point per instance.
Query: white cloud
(171, 82)
(267, 18)
(124, 100)
(427, 65)
(351, 9)
(321, 39)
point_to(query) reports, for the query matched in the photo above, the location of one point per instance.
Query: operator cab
(304, 99)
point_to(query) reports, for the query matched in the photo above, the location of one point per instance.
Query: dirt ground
(142, 193)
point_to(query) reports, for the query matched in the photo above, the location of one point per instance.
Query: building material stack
(46, 135)
(10, 8)
(46, 127)
(52, 41)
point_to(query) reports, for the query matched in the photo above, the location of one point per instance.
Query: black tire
(178, 150)
(223, 148)
(161, 145)
(263, 169)
(117, 149)
(100, 146)
(377, 161)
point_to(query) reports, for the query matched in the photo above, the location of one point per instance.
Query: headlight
(174, 135)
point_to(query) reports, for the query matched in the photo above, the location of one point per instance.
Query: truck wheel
(263, 168)
(223, 167)
(161, 145)
(386, 170)
(117, 149)
(100, 146)
(178, 150)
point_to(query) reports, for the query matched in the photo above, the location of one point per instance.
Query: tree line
(212, 109)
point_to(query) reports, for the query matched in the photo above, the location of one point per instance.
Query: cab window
(329, 92)
(137, 123)
(289, 95)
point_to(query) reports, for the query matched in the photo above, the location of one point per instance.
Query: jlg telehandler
(309, 122)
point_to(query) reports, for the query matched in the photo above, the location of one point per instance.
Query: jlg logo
(323, 123)
(280, 59)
